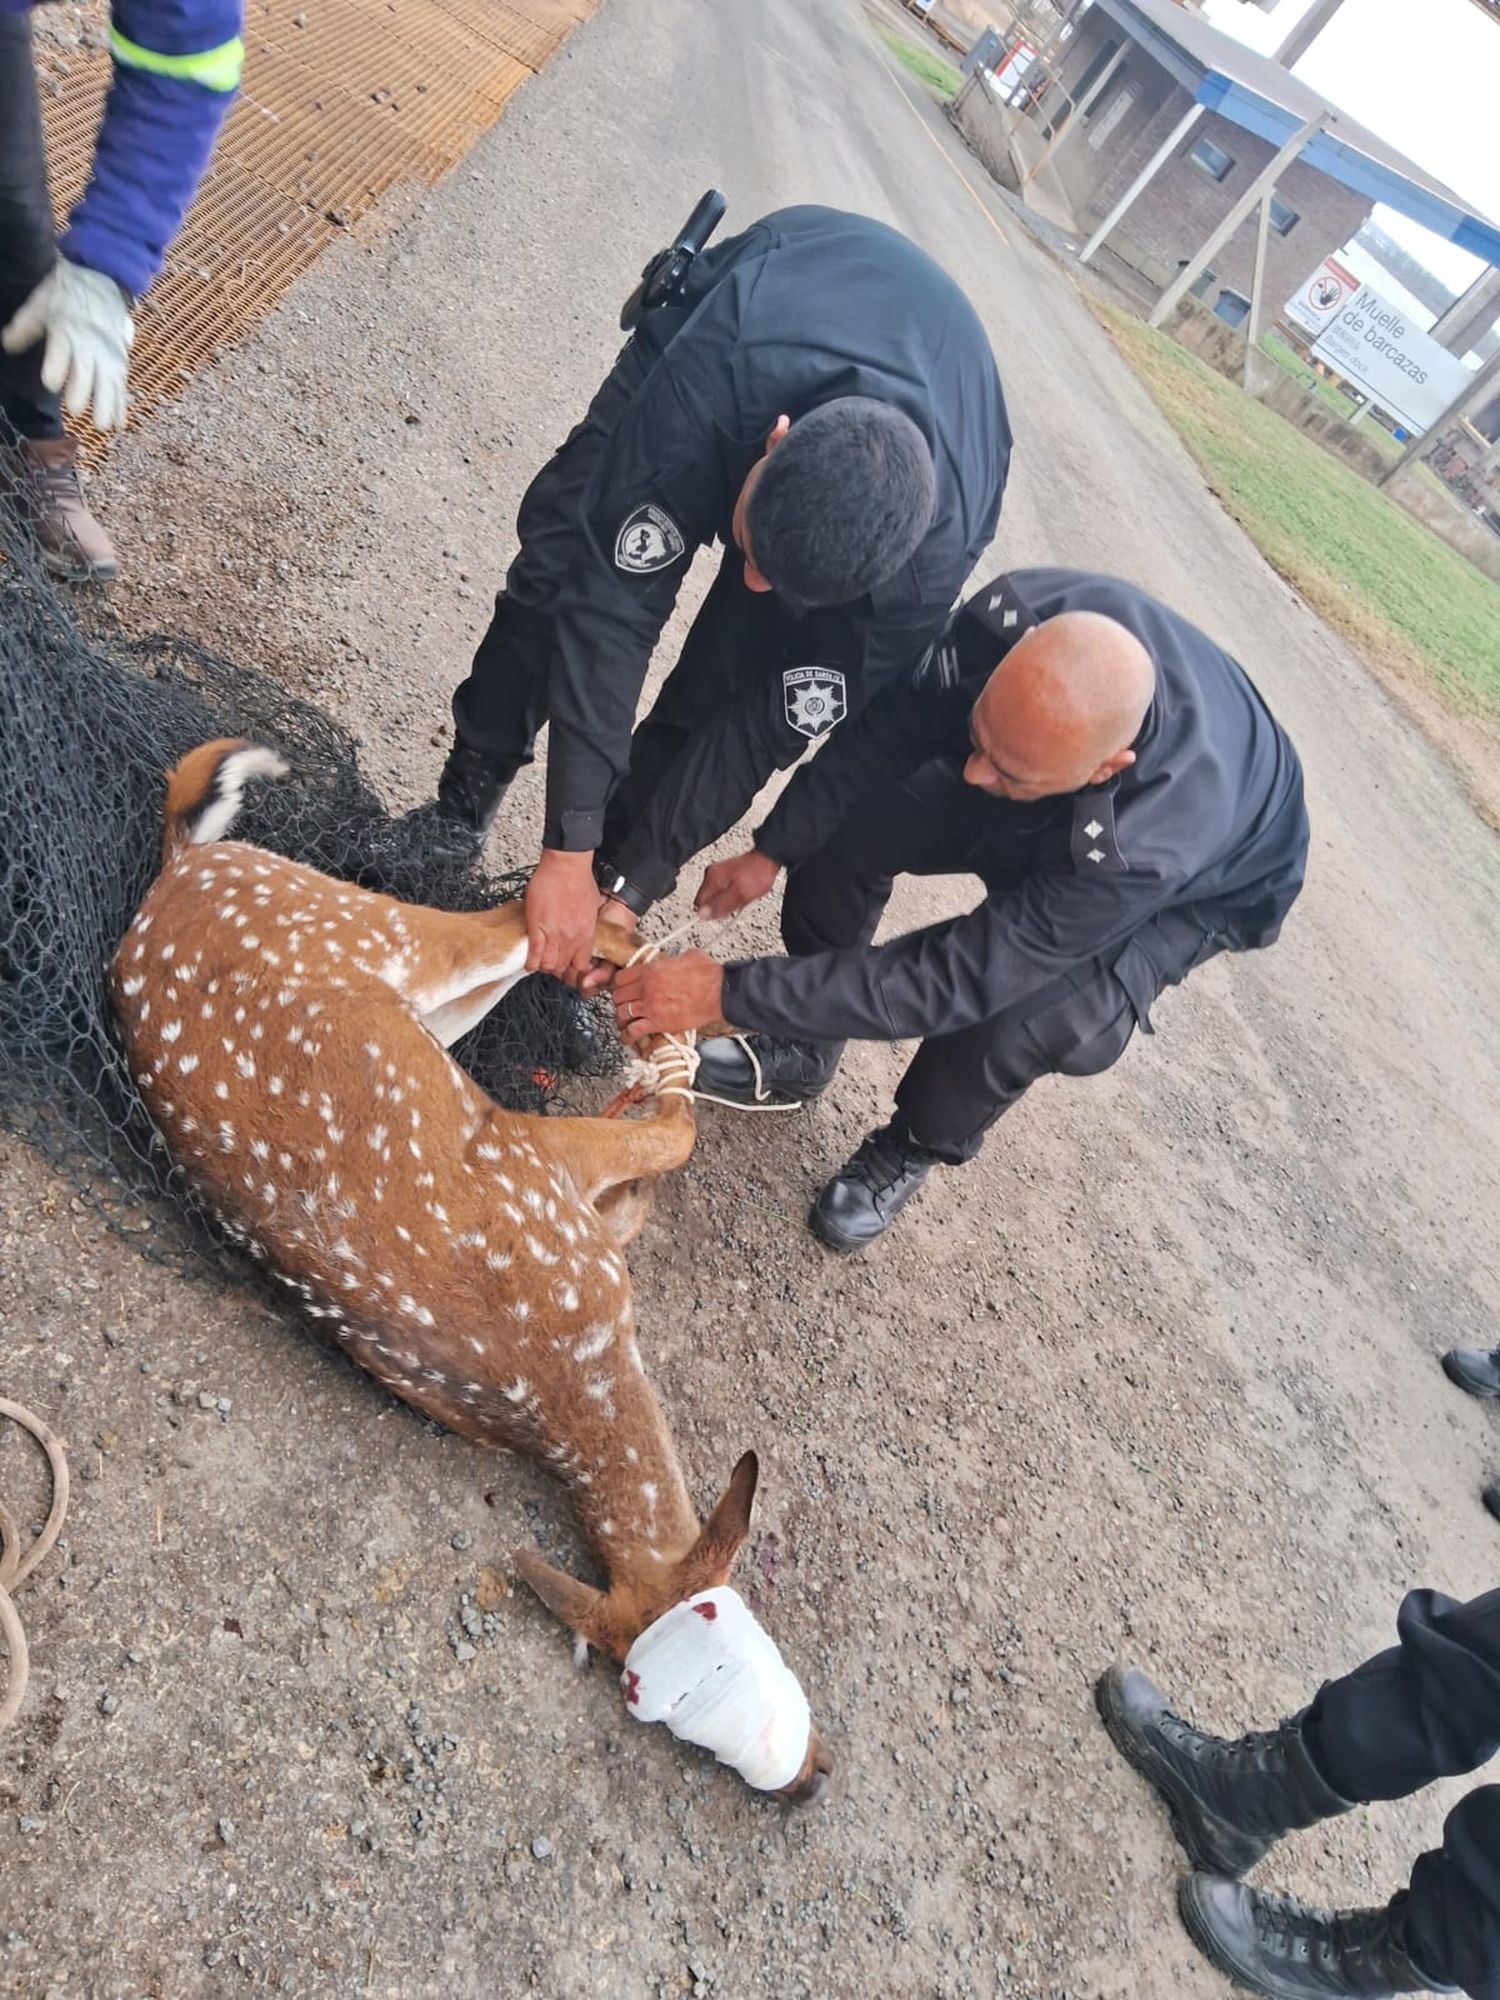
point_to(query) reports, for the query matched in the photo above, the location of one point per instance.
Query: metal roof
(1259, 95)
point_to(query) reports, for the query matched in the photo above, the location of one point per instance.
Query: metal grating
(343, 99)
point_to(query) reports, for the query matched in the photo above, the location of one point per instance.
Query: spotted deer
(289, 1035)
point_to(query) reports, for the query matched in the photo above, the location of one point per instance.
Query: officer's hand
(668, 996)
(562, 907)
(621, 915)
(728, 886)
(85, 320)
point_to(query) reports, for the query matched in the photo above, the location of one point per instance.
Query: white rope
(652, 948)
(675, 1065)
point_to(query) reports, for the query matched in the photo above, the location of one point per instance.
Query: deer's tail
(206, 790)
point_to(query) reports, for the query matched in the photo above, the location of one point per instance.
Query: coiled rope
(14, 1567)
(671, 1068)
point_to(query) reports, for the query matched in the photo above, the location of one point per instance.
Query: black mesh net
(90, 722)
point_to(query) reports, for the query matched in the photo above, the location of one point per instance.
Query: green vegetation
(1396, 591)
(929, 68)
(1290, 362)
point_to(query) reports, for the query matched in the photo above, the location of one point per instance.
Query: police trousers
(27, 247)
(720, 726)
(1076, 1025)
(1430, 1708)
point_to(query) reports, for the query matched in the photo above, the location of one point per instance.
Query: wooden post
(1478, 383)
(1257, 286)
(1090, 97)
(1264, 181)
(1141, 182)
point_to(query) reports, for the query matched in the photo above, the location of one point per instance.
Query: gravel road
(1158, 1376)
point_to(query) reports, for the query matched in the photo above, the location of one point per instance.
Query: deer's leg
(605, 1153)
(452, 967)
(623, 1209)
(457, 965)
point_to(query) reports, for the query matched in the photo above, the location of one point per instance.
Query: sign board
(1398, 367)
(1323, 297)
(1006, 80)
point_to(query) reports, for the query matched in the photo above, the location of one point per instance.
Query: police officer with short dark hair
(1129, 802)
(821, 399)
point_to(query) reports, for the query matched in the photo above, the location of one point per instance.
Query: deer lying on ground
(288, 1033)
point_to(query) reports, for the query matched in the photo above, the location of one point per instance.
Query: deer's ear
(727, 1526)
(577, 1604)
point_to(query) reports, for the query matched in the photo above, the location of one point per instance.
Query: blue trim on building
(1274, 123)
(1346, 164)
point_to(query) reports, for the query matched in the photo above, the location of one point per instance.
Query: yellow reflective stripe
(215, 69)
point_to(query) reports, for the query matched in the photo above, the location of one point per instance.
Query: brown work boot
(74, 544)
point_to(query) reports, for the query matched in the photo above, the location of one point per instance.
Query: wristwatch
(614, 884)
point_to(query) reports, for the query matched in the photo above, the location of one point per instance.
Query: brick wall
(1182, 204)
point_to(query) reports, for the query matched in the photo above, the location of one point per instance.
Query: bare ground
(1157, 1376)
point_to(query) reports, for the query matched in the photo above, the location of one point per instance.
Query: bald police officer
(1129, 802)
(823, 402)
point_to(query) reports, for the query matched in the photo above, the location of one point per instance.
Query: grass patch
(1379, 577)
(1290, 362)
(926, 65)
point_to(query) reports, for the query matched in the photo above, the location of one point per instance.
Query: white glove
(85, 319)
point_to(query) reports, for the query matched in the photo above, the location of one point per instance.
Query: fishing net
(90, 722)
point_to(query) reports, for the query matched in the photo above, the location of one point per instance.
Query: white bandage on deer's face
(715, 1678)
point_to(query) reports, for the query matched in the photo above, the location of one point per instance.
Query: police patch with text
(649, 540)
(813, 699)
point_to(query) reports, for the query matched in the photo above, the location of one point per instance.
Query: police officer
(65, 306)
(1131, 806)
(1429, 1708)
(821, 400)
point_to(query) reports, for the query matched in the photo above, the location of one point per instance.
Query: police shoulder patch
(1096, 847)
(813, 699)
(649, 539)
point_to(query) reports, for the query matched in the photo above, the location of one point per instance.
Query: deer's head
(613, 1620)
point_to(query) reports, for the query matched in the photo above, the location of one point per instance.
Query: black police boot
(450, 828)
(782, 1072)
(1229, 1801)
(1476, 1370)
(864, 1198)
(1278, 1947)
